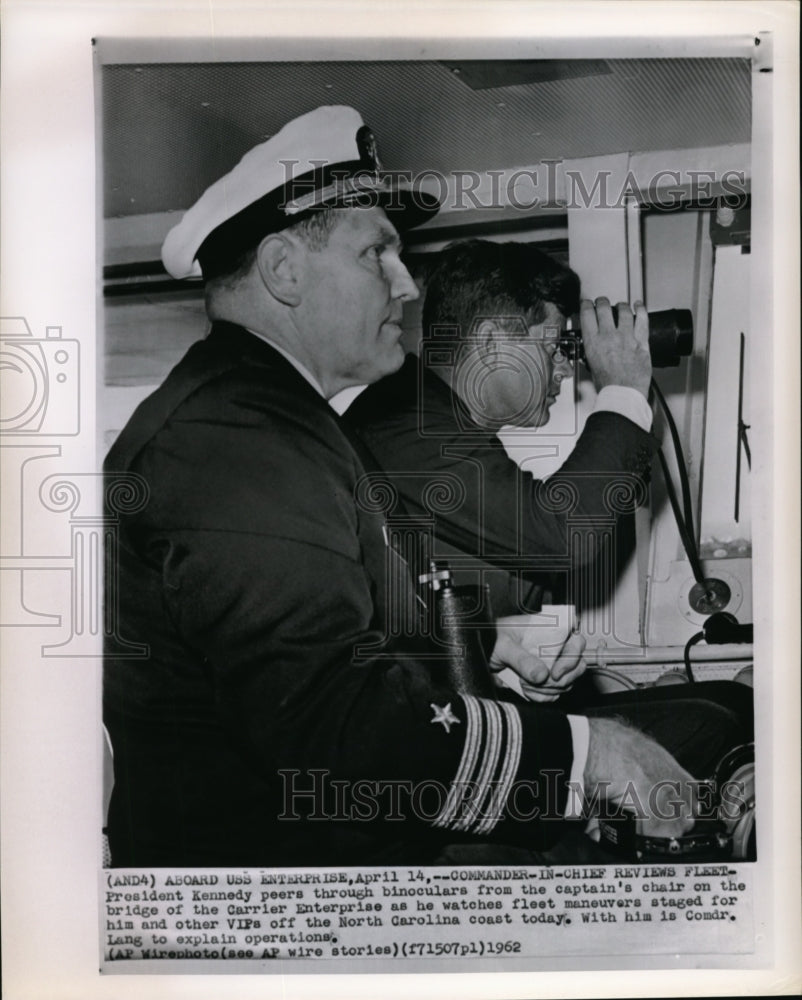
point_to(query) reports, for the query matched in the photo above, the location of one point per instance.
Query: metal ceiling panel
(171, 129)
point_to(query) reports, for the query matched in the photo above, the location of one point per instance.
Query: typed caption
(259, 916)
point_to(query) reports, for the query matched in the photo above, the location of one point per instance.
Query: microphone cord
(683, 517)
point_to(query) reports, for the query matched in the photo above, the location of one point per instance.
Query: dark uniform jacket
(487, 512)
(280, 716)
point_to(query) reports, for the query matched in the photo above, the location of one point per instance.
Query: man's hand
(625, 767)
(616, 354)
(539, 661)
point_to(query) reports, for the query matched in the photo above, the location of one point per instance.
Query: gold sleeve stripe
(509, 768)
(477, 794)
(470, 755)
(490, 759)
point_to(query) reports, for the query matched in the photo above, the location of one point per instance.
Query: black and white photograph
(405, 523)
(273, 675)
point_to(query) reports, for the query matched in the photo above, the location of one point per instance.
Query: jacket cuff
(511, 783)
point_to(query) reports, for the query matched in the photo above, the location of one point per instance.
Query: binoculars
(670, 337)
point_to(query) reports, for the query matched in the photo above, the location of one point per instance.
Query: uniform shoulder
(247, 445)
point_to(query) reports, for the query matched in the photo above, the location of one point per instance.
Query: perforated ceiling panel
(169, 130)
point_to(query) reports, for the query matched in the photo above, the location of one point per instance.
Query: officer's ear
(279, 266)
(485, 337)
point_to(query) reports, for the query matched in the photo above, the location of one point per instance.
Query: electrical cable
(684, 521)
(683, 475)
(687, 541)
(687, 655)
(720, 627)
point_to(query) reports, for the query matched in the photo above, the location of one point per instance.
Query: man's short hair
(314, 229)
(477, 279)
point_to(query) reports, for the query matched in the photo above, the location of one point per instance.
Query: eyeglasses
(560, 350)
(570, 342)
(561, 357)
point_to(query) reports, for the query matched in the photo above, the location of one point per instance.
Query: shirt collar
(296, 364)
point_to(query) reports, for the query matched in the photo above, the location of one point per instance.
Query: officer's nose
(402, 284)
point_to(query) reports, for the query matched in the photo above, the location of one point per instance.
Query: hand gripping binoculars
(670, 337)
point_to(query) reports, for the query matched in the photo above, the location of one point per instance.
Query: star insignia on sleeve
(444, 716)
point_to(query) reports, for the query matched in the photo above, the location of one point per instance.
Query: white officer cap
(323, 159)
